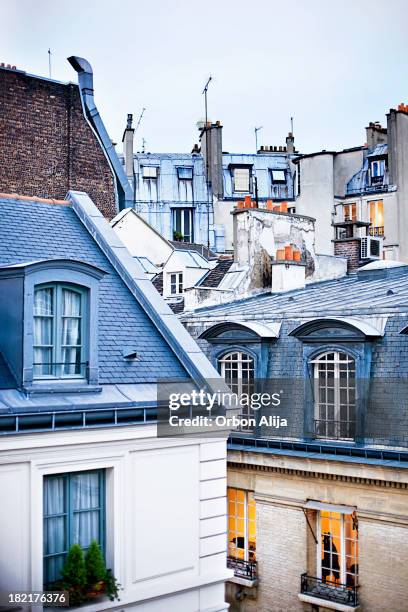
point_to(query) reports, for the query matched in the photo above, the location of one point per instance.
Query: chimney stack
(290, 143)
(127, 139)
(211, 149)
(375, 134)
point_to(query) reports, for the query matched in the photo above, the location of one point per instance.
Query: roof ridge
(24, 198)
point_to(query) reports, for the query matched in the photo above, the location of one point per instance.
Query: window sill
(246, 582)
(61, 386)
(325, 603)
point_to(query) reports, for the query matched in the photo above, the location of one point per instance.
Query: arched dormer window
(60, 339)
(334, 375)
(237, 369)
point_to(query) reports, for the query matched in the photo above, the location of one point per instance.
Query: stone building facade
(318, 507)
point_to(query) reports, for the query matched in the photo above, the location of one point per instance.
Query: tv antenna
(140, 119)
(256, 130)
(204, 92)
(49, 62)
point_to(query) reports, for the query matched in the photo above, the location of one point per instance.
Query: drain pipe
(124, 190)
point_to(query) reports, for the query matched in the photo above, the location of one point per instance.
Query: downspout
(124, 191)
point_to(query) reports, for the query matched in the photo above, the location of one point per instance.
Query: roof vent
(382, 268)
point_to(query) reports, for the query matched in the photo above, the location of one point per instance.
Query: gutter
(124, 191)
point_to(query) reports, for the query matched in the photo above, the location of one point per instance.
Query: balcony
(335, 430)
(346, 596)
(243, 570)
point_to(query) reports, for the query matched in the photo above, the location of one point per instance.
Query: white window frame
(337, 362)
(380, 165)
(246, 549)
(181, 212)
(56, 346)
(176, 281)
(150, 172)
(238, 181)
(341, 554)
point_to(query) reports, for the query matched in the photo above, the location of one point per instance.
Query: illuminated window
(338, 548)
(376, 210)
(335, 396)
(241, 525)
(242, 180)
(350, 212)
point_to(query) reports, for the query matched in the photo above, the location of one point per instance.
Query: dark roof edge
(131, 273)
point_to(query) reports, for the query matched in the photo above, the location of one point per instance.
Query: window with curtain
(74, 513)
(338, 543)
(376, 211)
(335, 395)
(59, 331)
(241, 525)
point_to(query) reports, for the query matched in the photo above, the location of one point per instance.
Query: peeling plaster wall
(259, 233)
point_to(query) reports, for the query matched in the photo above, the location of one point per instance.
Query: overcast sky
(333, 66)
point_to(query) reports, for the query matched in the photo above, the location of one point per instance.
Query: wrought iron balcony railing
(329, 591)
(376, 231)
(335, 430)
(243, 569)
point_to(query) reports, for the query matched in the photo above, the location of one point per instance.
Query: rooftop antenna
(49, 62)
(256, 130)
(204, 92)
(291, 125)
(143, 145)
(140, 118)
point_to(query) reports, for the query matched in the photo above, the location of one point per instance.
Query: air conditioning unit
(371, 248)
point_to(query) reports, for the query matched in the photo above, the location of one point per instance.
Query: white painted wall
(166, 513)
(140, 238)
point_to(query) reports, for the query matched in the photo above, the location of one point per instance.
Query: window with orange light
(338, 548)
(376, 210)
(241, 525)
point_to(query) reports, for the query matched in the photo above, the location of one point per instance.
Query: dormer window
(149, 172)
(378, 168)
(185, 174)
(59, 331)
(278, 177)
(50, 336)
(242, 179)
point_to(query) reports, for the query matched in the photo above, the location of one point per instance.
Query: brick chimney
(127, 139)
(211, 149)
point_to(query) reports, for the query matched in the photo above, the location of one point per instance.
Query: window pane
(43, 302)
(86, 527)
(241, 179)
(85, 490)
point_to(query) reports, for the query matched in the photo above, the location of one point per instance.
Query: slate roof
(34, 230)
(192, 246)
(368, 292)
(215, 276)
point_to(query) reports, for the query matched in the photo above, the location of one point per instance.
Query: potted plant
(74, 575)
(86, 577)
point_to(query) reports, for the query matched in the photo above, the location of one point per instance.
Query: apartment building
(85, 340)
(317, 493)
